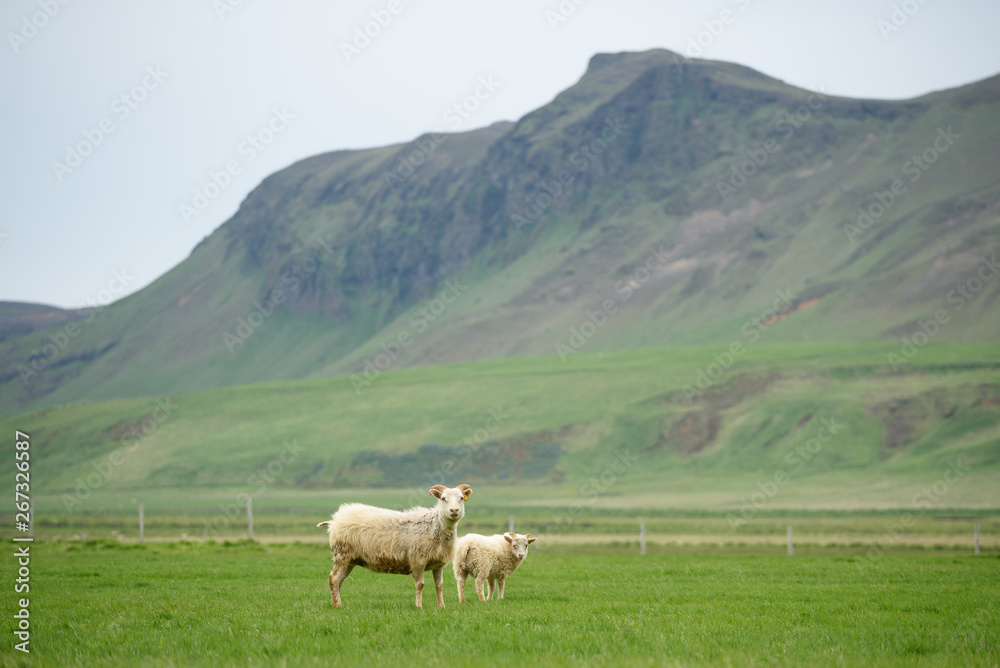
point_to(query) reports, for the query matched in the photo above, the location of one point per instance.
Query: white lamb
(491, 558)
(390, 541)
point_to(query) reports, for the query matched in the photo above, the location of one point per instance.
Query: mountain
(20, 318)
(659, 201)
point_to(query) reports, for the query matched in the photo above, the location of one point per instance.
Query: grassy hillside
(697, 196)
(834, 425)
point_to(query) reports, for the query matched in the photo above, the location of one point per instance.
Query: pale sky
(200, 76)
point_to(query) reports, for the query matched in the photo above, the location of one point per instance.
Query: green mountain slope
(658, 201)
(826, 416)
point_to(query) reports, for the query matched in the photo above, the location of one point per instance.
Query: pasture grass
(99, 603)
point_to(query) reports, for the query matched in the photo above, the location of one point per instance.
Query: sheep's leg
(479, 587)
(500, 592)
(337, 576)
(418, 581)
(439, 585)
(460, 578)
(493, 587)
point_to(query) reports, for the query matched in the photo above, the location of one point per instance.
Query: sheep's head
(451, 500)
(518, 543)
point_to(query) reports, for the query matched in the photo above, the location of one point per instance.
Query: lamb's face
(518, 544)
(451, 501)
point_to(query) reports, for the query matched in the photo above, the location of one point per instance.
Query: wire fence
(863, 533)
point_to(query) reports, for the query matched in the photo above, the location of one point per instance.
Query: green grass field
(99, 604)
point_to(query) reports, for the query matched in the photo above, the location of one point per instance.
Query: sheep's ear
(507, 538)
(436, 491)
(465, 490)
(531, 539)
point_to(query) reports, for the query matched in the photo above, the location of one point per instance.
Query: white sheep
(491, 558)
(390, 541)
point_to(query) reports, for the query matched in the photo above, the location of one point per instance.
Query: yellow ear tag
(465, 497)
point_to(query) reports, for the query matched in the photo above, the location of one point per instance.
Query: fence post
(250, 517)
(142, 524)
(510, 523)
(791, 549)
(642, 538)
(975, 532)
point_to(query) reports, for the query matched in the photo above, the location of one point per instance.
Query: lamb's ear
(530, 538)
(465, 490)
(507, 538)
(436, 491)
